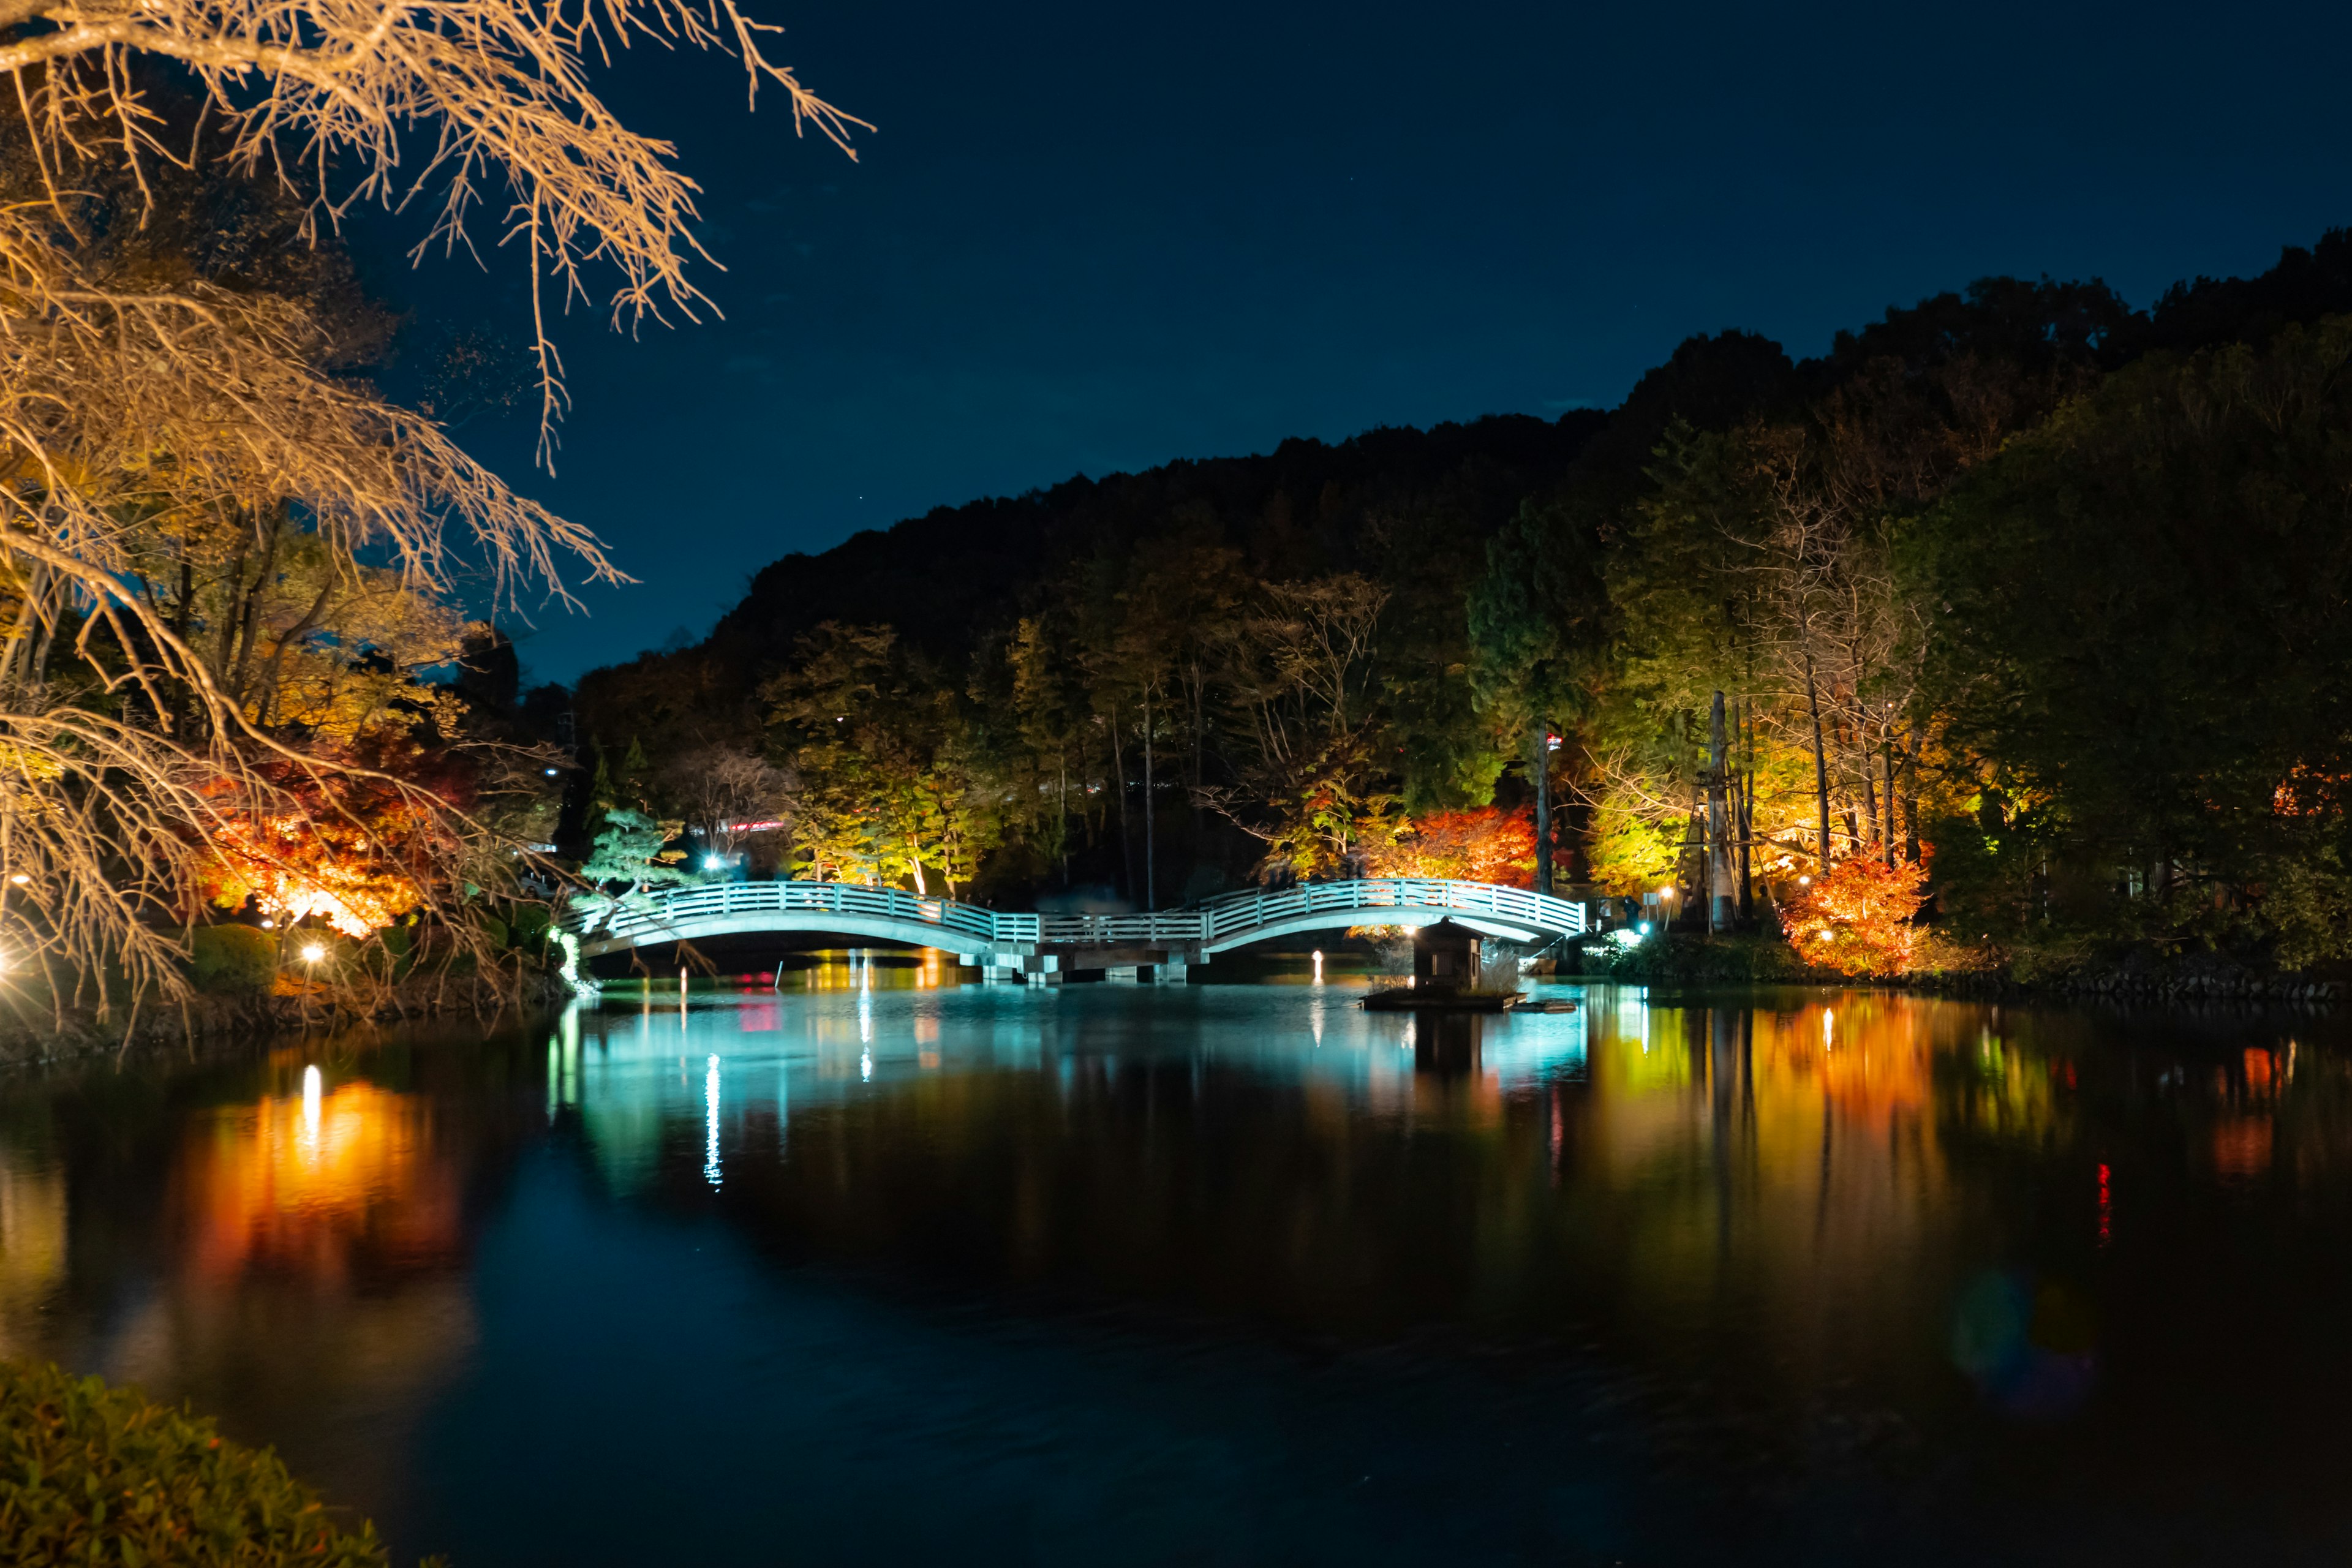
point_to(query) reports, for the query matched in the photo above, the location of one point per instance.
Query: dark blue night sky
(1087, 239)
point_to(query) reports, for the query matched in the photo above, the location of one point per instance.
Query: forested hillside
(2020, 586)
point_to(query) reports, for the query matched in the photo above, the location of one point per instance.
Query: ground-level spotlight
(312, 952)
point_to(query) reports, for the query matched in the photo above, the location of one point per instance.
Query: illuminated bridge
(1045, 946)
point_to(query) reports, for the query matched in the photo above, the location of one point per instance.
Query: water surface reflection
(1166, 1273)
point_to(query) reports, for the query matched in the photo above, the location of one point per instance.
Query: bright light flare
(312, 952)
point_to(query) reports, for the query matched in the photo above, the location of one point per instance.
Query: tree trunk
(1821, 763)
(249, 632)
(1911, 796)
(1694, 841)
(1869, 786)
(1543, 805)
(1747, 814)
(1150, 842)
(1126, 838)
(1886, 760)
(1719, 911)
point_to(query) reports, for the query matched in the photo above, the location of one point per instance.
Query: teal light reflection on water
(1116, 1273)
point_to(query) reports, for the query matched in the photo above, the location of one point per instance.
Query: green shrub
(91, 1474)
(235, 959)
(531, 923)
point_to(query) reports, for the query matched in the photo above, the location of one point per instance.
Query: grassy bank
(90, 1474)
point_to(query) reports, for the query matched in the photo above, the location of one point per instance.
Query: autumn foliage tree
(1489, 844)
(1858, 917)
(223, 555)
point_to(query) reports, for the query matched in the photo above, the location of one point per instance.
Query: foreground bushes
(90, 1474)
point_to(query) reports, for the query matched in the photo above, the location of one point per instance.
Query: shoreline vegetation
(90, 1473)
(2054, 973)
(33, 1035)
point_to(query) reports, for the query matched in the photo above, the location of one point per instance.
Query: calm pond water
(877, 1269)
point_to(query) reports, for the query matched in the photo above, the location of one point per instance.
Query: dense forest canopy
(2020, 591)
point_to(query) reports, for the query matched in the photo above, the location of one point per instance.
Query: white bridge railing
(654, 915)
(1236, 913)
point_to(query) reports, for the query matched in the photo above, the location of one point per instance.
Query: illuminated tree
(221, 553)
(1488, 845)
(1858, 917)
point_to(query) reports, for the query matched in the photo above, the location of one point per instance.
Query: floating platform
(1405, 999)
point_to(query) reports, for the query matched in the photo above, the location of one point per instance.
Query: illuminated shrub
(1858, 917)
(92, 1474)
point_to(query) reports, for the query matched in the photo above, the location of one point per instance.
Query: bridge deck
(892, 915)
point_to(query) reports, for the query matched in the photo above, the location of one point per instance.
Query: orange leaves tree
(1858, 917)
(356, 847)
(1488, 845)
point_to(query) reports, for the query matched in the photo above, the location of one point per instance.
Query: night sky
(1087, 239)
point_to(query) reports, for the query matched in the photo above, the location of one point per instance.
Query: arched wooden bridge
(1048, 945)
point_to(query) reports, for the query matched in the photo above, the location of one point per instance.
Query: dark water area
(878, 1267)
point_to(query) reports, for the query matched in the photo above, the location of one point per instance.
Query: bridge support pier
(1170, 970)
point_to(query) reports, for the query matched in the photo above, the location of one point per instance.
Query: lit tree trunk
(1719, 911)
(1821, 763)
(1543, 805)
(1911, 796)
(1748, 813)
(1869, 786)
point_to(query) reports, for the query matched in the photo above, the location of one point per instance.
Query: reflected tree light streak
(313, 1095)
(2106, 1205)
(710, 1122)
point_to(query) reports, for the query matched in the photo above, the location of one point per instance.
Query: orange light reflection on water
(315, 1183)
